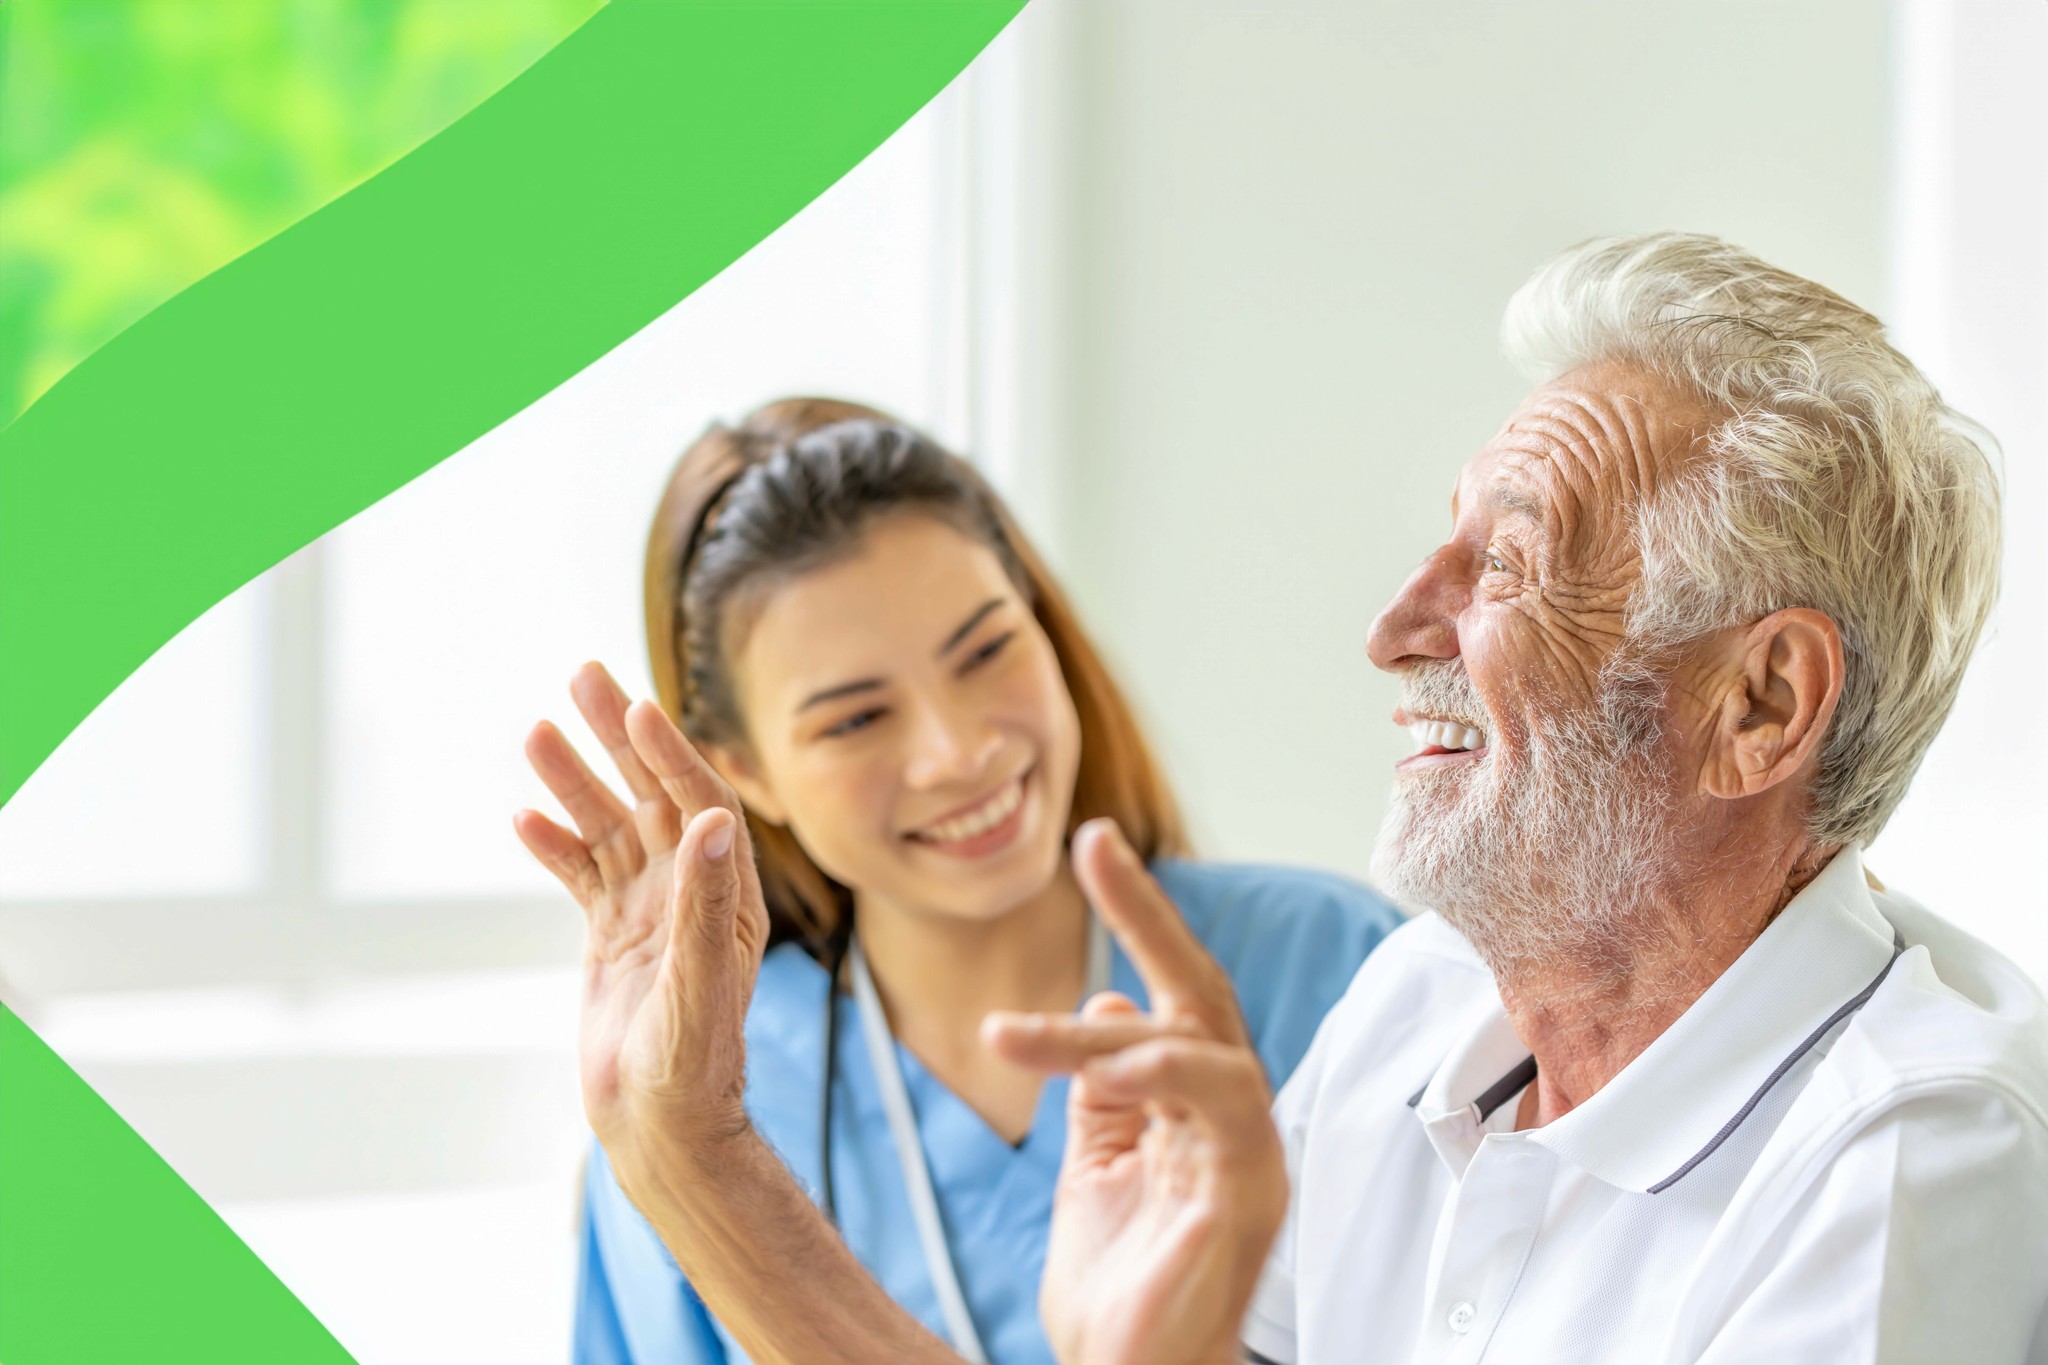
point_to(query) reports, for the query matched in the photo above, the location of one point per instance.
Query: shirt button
(1462, 1314)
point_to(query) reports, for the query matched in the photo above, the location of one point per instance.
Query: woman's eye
(988, 651)
(859, 720)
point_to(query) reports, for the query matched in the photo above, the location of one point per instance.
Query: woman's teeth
(1445, 734)
(980, 820)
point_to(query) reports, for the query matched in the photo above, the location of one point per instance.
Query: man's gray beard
(1557, 867)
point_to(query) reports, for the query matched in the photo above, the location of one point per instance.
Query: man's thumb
(707, 893)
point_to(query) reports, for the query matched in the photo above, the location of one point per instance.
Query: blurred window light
(456, 611)
(428, 1276)
(159, 793)
(530, 1010)
(346, 731)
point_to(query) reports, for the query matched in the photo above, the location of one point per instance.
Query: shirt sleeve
(1925, 1239)
(633, 1306)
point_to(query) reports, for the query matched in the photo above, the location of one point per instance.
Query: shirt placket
(1494, 1218)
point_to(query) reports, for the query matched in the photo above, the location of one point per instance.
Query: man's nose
(1422, 620)
(952, 744)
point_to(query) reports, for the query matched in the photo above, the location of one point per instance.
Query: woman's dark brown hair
(794, 486)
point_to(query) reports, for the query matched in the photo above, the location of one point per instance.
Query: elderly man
(1667, 1075)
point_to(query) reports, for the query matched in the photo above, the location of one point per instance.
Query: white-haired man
(1666, 1076)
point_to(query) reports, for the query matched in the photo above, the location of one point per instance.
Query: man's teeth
(1445, 734)
(983, 818)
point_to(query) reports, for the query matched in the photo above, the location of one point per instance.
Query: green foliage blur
(145, 143)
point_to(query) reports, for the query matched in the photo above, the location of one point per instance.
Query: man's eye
(1495, 565)
(988, 651)
(859, 720)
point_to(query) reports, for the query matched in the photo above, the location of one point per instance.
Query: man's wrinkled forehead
(1581, 451)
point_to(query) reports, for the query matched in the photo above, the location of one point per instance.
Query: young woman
(850, 629)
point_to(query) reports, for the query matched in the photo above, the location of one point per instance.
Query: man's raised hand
(675, 929)
(1174, 1183)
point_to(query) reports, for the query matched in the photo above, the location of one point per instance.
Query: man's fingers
(1177, 970)
(1108, 1005)
(603, 704)
(1219, 1086)
(1062, 1042)
(681, 770)
(563, 854)
(1098, 1132)
(603, 820)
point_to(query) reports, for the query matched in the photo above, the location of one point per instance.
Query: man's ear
(743, 774)
(1778, 696)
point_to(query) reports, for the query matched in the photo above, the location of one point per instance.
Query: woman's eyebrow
(849, 689)
(967, 626)
(835, 693)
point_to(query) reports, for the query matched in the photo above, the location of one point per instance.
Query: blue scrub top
(1290, 940)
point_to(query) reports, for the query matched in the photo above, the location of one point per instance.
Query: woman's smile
(982, 828)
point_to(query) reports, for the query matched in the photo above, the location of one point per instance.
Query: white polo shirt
(1839, 1153)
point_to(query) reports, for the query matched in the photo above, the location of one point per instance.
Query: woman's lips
(988, 838)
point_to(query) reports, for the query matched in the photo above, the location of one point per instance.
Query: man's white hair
(1835, 479)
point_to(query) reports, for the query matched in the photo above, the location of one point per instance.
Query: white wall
(1970, 264)
(1295, 228)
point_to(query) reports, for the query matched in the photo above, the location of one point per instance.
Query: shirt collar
(1692, 1087)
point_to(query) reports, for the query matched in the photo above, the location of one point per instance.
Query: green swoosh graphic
(292, 388)
(146, 143)
(300, 383)
(106, 1255)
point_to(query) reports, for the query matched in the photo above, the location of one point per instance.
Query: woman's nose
(1422, 620)
(951, 745)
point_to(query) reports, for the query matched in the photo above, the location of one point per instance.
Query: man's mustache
(1443, 690)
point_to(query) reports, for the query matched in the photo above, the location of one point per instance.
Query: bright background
(1211, 290)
